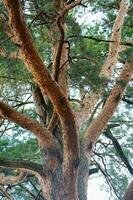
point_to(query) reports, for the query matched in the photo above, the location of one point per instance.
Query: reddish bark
(35, 64)
(59, 178)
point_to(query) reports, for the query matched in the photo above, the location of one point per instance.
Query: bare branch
(60, 25)
(57, 60)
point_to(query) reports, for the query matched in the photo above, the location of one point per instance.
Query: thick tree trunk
(129, 192)
(83, 176)
(53, 187)
(60, 178)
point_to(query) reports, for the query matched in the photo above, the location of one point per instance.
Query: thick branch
(25, 122)
(10, 180)
(47, 85)
(92, 98)
(40, 73)
(114, 47)
(98, 124)
(57, 60)
(61, 56)
(25, 166)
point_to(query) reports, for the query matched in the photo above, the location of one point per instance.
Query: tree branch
(93, 171)
(127, 101)
(4, 192)
(25, 166)
(106, 71)
(130, 44)
(43, 135)
(114, 47)
(119, 150)
(10, 180)
(59, 54)
(98, 124)
(48, 86)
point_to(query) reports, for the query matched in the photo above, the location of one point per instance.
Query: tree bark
(59, 177)
(129, 192)
(47, 85)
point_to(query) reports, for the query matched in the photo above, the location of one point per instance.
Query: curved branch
(43, 135)
(10, 180)
(62, 37)
(57, 60)
(35, 64)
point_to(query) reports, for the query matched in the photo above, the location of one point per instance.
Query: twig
(130, 44)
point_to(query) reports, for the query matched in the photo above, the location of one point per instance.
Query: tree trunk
(83, 176)
(129, 192)
(53, 187)
(60, 178)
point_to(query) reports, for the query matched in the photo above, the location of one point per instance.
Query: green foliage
(25, 150)
(122, 83)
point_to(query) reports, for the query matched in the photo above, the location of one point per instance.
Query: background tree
(76, 77)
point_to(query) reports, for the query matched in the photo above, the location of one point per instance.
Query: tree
(66, 130)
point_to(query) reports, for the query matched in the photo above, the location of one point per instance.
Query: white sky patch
(89, 18)
(94, 189)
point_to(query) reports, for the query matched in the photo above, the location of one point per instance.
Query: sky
(94, 189)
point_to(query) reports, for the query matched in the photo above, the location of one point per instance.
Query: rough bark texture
(9, 180)
(25, 122)
(129, 192)
(98, 124)
(48, 86)
(91, 99)
(59, 176)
